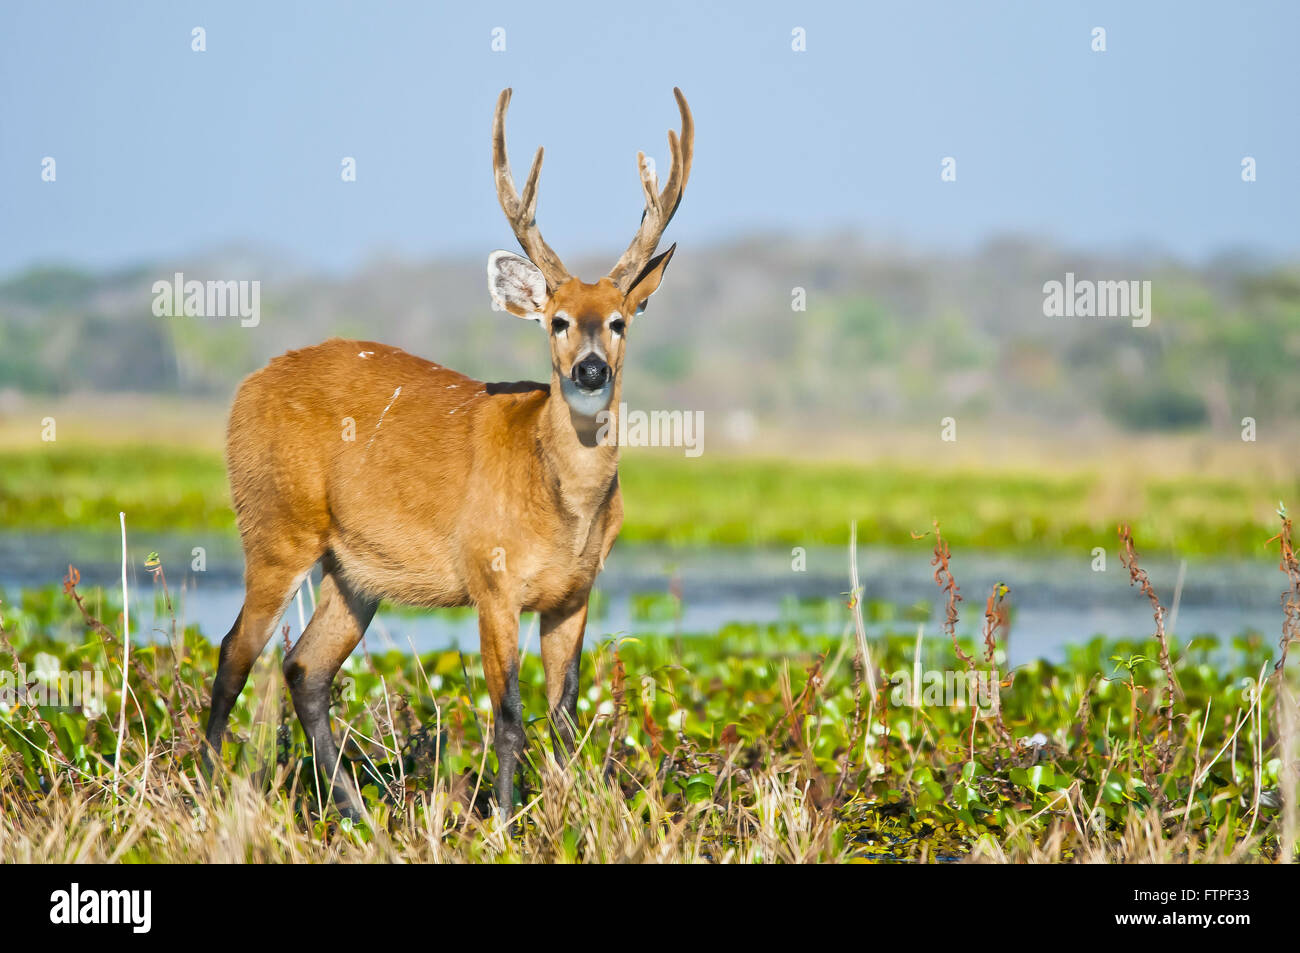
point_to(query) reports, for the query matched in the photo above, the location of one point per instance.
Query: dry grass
(719, 755)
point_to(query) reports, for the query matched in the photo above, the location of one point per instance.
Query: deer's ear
(516, 285)
(648, 282)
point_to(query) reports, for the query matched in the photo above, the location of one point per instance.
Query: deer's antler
(522, 212)
(659, 206)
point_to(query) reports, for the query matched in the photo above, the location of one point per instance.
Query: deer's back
(379, 455)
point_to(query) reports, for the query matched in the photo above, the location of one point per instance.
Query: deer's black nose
(591, 373)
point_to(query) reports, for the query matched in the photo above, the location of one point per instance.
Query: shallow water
(1057, 601)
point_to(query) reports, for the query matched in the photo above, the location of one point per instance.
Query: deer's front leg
(562, 658)
(498, 631)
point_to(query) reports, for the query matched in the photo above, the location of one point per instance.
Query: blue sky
(163, 152)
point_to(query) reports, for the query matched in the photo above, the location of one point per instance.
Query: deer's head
(587, 323)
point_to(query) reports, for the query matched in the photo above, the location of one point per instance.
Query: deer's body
(407, 481)
(444, 491)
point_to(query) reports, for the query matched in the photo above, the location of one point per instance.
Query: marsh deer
(451, 492)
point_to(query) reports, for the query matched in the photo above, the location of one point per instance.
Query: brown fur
(442, 477)
(411, 482)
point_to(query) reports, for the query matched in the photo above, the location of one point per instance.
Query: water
(1057, 601)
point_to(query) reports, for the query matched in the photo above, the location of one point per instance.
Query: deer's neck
(579, 452)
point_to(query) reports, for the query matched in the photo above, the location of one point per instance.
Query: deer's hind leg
(341, 616)
(268, 589)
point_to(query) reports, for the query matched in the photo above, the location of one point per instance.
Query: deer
(451, 492)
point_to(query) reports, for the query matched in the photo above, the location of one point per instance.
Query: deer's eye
(617, 325)
(559, 325)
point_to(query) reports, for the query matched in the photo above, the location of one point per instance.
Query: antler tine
(648, 186)
(530, 186)
(521, 212)
(660, 207)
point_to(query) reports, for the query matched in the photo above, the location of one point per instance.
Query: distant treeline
(805, 333)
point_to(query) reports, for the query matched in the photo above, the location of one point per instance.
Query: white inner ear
(515, 281)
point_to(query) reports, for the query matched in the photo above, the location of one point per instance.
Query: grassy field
(786, 743)
(726, 500)
(757, 744)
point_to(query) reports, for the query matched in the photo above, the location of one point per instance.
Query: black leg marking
(564, 717)
(509, 742)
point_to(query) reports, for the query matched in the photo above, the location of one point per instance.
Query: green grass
(719, 500)
(81, 487)
(753, 744)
